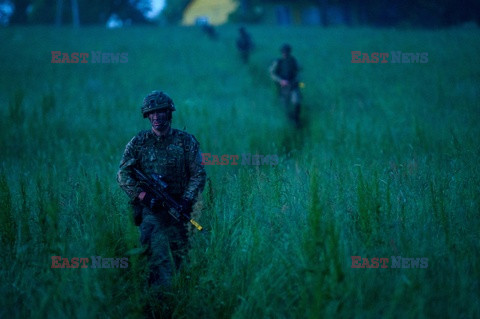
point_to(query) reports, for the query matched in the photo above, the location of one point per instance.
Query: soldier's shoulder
(185, 136)
(141, 137)
(145, 134)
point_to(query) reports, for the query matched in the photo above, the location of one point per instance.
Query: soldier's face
(159, 120)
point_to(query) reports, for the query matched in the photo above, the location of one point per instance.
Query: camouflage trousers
(166, 243)
(290, 96)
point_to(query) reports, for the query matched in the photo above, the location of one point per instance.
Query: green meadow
(386, 164)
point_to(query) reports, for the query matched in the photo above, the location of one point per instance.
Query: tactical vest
(287, 68)
(166, 158)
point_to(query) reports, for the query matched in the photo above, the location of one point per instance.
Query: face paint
(160, 120)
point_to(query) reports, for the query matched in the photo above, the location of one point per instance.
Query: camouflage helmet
(286, 48)
(157, 101)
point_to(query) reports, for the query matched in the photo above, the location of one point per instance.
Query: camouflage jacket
(175, 156)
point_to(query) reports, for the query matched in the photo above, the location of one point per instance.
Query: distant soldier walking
(244, 44)
(175, 156)
(284, 71)
(210, 31)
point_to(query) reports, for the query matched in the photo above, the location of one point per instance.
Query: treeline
(418, 13)
(77, 12)
(423, 13)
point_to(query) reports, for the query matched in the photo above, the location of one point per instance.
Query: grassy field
(385, 165)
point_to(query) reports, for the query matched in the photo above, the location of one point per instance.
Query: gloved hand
(151, 202)
(185, 206)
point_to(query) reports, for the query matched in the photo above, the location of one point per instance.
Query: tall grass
(386, 165)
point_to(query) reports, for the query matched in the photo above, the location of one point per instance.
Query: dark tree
(78, 12)
(19, 15)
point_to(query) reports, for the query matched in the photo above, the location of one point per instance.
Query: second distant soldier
(244, 44)
(284, 71)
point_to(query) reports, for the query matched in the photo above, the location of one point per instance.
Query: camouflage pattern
(156, 101)
(165, 245)
(176, 157)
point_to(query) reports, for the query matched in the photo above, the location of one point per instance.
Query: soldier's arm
(125, 173)
(274, 76)
(197, 172)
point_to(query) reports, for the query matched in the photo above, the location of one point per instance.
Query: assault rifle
(155, 186)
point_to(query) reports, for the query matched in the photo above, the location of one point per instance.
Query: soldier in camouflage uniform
(244, 44)
(284, 71)
(174, 155)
